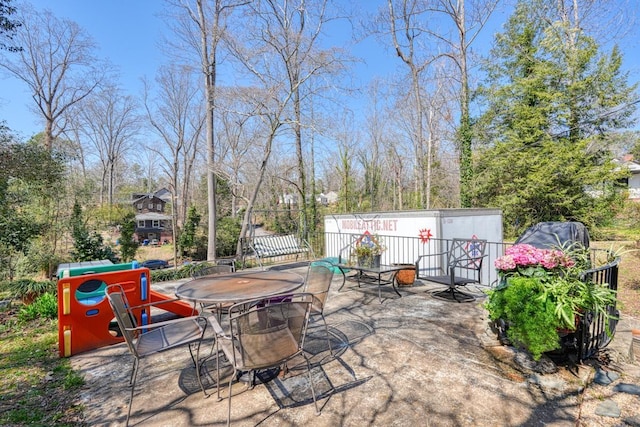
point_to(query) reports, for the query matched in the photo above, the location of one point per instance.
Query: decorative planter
(406, 276)
(369, 261)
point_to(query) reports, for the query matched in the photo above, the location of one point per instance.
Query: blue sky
(125, 31)
(128, 32)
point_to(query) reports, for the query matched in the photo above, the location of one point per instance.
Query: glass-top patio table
(372, 275)
(231, 288)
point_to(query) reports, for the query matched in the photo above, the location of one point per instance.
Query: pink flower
(525, 255)
(505, 263)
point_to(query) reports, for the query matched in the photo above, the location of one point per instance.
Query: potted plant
(541, 292)
(368, 252)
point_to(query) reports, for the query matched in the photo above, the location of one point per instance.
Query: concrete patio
(414, 360)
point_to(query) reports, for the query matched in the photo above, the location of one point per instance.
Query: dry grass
(164, 252)
(629, 275)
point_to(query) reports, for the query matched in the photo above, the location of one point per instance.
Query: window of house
(140, 223)
(159, 207)
(156, 223)
(139, 205)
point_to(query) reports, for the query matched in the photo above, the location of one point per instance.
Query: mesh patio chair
(317, 283)
(267, 335)
(145, 340)
(212, 269)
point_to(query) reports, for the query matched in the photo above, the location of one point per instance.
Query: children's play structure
(85, 319)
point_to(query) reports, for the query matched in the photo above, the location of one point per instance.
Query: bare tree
(405, 21)
(268, 107)
(57, 65)
(423, 33)
(371, 156)
(397, 150)
(201, 26)
(605, 20)
(239, 132)
(110, 122)
(292, 30)
(343, 169)
(469, 18)
(176, 116)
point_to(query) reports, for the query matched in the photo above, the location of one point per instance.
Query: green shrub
(26, 288)
(531, 318)
(39, 260)
(45, 306)
(227, 236)
(168, 274)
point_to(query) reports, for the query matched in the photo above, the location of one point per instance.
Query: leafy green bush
(26, 288)
(531, 318)
(45, 306)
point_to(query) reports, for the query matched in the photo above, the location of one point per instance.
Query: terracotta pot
(407, 276)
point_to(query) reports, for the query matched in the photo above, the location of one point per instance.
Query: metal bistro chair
(146, 340)
(318, 281)
(267, 335)
(459, 266)
(212, 269)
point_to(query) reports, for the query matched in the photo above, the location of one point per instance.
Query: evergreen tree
(549, 107)
(187, 240)
(128, 246)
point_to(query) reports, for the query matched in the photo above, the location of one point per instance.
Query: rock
(608, 408)
(603, 377)
(627, 388)
(548, 382)
(632, 421)
(542, 366)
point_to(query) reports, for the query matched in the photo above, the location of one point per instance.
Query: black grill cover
(548, 235)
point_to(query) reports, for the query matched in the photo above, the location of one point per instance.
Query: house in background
(633, 181)
(151, 220)
(331, 198)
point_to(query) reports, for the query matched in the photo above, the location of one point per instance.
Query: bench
(459, 266)
(278, 245)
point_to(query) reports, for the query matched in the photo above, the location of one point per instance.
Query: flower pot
(375, 261)
(406, 276)
(369, 261)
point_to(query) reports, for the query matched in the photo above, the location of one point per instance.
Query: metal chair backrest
(317, 282)
(268, 334)
(125, 318)
(467, 253)
(211, 270)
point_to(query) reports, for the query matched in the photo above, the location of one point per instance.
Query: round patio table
(231, 288)
(238, 287)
